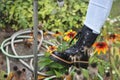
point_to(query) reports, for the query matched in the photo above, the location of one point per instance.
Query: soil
(21, 49)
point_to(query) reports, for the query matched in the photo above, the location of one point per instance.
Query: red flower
(114, 37)
(100, 47)
(69, 34)
(51, 49)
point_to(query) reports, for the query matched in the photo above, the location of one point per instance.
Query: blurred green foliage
(18, 14)
(115, 9)
(2, 73)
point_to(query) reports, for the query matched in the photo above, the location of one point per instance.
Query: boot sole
(83, 64)
(60, 60)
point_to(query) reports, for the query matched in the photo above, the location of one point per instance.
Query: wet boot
(86, 38)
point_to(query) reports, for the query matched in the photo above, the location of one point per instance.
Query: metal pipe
(35, 33)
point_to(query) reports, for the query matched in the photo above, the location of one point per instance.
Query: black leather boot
(85, 40)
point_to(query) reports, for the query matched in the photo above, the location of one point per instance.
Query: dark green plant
(50, 67)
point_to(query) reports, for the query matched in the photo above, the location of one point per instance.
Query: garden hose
(24, 63)
(17, 38)
(7, 60)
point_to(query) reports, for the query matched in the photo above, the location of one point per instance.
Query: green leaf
(12, 12)
(50, 72)
(58, 74)
(56, 65)
(85, 73)
(101, 69)
(43, 62)
(93, 59)
(47, 54)
(63, 46)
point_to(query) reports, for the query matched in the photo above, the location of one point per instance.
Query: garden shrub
(18, 14)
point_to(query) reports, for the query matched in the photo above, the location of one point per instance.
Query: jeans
(97, 13)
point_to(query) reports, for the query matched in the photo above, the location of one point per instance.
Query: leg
(97, 13)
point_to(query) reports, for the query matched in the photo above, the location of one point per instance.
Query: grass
(115, 9)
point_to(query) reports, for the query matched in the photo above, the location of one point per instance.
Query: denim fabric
(97, 13)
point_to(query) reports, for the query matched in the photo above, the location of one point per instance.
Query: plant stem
(110, 62)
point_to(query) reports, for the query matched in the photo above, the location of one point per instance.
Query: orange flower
(100, 47)
(52, 49)
(57, 33)
(69, 34)
(114, 37)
